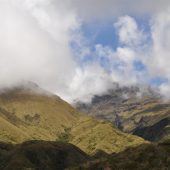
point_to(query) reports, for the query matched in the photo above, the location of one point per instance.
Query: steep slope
(44, 155)
(33, 114)
(38, 115)
(160, 130)
(91, 135)
(130, 110)
(143, 157)
(40, 155)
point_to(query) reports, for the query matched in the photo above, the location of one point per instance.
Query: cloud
(94, 9)
(160, 50)
(34, 43)
(128, 31)
(87, 82)
(150, 49)
(42, 41)
(158, 55)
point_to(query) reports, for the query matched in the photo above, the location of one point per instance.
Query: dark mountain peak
(129, 107)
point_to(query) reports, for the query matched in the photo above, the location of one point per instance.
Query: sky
(78, 49)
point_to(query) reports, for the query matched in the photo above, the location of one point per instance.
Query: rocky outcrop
(130, 109)
(155, 132)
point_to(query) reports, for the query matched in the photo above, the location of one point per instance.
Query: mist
(36, 38)
(33, 46)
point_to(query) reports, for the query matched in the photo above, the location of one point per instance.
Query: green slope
(143, 157)
(45, 155)
(40, 155)
(29, 115)
(132, 111)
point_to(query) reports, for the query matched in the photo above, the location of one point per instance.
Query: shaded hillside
(40, 155)
(155, 132)
(34, 114)
(130, 110)
(44, 155)
(143, 157)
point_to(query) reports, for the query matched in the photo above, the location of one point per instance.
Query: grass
(91, 135)
(143, 157)
(47, 117)
(61, 156)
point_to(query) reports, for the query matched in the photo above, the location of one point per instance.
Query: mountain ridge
(129, 109)
(25, 115)
(48, 155)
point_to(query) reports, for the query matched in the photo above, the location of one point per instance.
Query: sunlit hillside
(28, 115)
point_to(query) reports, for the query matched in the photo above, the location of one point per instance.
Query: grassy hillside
(155, 132)
(40, 155)
(91, 135)
(39, 116)
(132, 111)
(29, 115)
(143, 157)
(45, 155)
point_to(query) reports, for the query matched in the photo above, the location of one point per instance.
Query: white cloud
(158, 56)
(88, 82)
(165, 90)
(93, 9)
(128, 31)
(34, 43)
(121, 63)
(154, 53)
(158, 61)
(35, 38)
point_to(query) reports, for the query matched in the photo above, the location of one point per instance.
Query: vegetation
(44, 155)
(65, 136)
(132, 114)
(143, 157)
(40, 155)
(42, 116)
(91, 135)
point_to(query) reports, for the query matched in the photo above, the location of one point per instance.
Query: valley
(39, 130)
(144, 112)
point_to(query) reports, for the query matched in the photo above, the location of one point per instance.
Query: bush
(65, 136)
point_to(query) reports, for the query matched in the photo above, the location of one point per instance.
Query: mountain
(143, 157)
(46, 155)
(137, 110)
(27, 113)
(30, 113)
(41, 155)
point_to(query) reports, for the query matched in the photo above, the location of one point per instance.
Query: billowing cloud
(91, 9)
(158, 56)
(88, 82)
(128, 31)
(34, 43)
(149, 51)
(36, 38)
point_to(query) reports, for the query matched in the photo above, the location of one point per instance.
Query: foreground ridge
(47, 155)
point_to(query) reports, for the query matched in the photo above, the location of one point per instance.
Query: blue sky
(103, 32)
(77, 49)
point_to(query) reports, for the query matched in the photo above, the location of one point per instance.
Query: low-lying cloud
(36, 37)
(34, 43)
(94, 9)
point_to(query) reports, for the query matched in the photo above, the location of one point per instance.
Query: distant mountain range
(40, 131)
(29, 113)
(136, 110)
